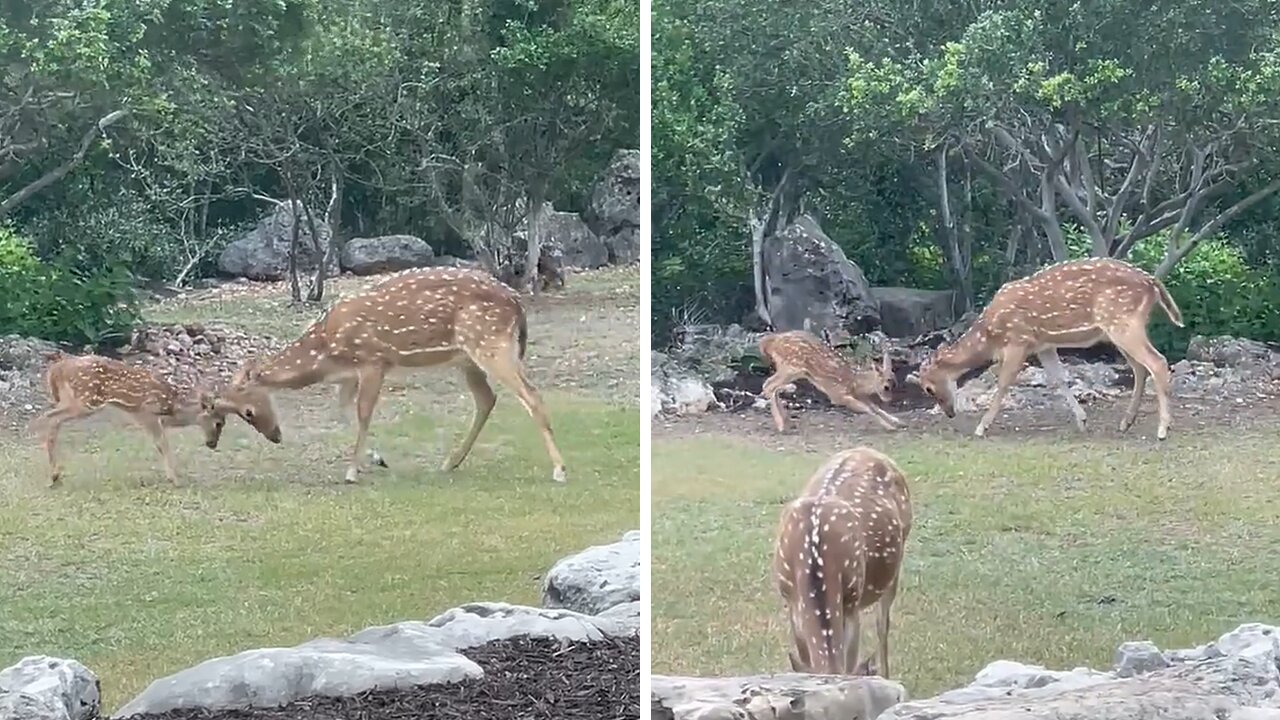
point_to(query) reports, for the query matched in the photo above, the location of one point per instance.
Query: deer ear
(247, 373)
(208, 401)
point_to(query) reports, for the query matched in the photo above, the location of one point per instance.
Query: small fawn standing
(1074, 304)
(800, 355)
(81, 386)
(415, 319)
(839, 550)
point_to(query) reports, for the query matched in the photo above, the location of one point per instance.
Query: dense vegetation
(137, 136)
(949, 145)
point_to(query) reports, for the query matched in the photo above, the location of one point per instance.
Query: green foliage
(57, 302)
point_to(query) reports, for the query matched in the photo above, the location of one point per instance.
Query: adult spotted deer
(81, 386)
(1074, 304)
(799, 354)
(839, 551)
(416, 319)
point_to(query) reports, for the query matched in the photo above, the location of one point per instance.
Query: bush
(53, 301)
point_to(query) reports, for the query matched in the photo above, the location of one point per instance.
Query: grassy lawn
(1048, 550)
(265, 546)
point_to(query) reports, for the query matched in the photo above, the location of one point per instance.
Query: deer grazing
(839, 551)
(80, 386)
(798, 354)
(1074, 304)
(416, 319)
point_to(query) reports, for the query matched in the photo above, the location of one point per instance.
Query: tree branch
(61, 171)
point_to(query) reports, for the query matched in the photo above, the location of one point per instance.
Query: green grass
(265, 546)
(1050, 550)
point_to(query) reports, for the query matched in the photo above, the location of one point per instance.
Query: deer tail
(825, 586)
(1167, 304)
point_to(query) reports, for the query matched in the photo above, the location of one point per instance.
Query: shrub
(55, 302)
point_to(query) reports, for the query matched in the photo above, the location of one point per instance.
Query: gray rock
(263, 252)
(478, 623)
(389, 253)
(810, 282)
(595, 579)
(1254, 640)
(613, 213)
(1233, 352)
(1138, 657)
(908, 312)
(275, 676)
(47, 688)
(713, 351)
(790, 696)
(1208, 690)
(570, 238)
(23, 353)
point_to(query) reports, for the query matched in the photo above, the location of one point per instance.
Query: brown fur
(415, 319)
(838, 551)
(800, 355)
(1074, 304)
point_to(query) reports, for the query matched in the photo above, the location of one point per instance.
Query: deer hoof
(558, 475)
(980, 431)
(55, 480)
(350, 477)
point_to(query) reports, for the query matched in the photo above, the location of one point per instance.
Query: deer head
(250, 402)
(211, 421)
(876, 381)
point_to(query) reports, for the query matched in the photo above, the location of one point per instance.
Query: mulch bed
(524, 679)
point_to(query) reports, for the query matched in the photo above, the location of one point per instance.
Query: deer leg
(151, 424)
(1139, 387)
(366, 398)
(504, 366)
(1057, 376)
(887, 421)
(50, 424)
(882, 627)
(1010, 365)
(852, 639)
(884, 415)
(770, 391)
(485, 399)
(347, 390)
(1133, 342)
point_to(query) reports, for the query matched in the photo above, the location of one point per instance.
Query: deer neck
(186, 412)
(972, 350)
(298, 365)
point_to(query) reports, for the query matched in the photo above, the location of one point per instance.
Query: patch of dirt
(813, 426)
(524, 679)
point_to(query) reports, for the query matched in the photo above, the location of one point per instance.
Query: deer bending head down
(81, 386)
(1074, 304)
(799, 354)
(416, 319)
(839, 550)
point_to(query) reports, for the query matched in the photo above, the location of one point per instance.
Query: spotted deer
(799, 354)
(839, 551)
(80, 386)
(1075, 304)
(413, 320)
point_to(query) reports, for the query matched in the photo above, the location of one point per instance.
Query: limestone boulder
(811, 283)
(263, 252)
(388, 253)
(789, 696)
(596, 579)
(48, 688)
(909, 312)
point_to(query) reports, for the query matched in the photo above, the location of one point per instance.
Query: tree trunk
(333, 220)
(295, 290)
(533, 239)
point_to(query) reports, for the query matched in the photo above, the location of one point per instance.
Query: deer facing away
(1075, 304)
(839, 551)
(415, 319)
(81, 386)
(799, 354)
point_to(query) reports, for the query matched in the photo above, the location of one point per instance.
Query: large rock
(675, 388)
(1232, 352)
(569, 237)
(389, 253)
(275, 676)
(810, 283)
(46, 688)
(478, 623)
(790, 696)
(613, 213)
(908, 312)
(263, 252)
(1235, 678)
(596, 579)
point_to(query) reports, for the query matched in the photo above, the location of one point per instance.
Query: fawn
(799, 354)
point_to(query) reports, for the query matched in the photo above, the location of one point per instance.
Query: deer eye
(248, 413)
